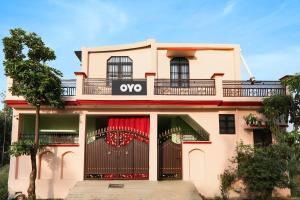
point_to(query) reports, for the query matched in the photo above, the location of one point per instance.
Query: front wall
(57, 172)
(141, 59)
(204, 64)
(202, 163)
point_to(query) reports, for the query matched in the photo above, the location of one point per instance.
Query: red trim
(146, 102)
(195, 48)
(241, 103)
(149, 74)
(13, 103)
(197, 142)
(216, 74)
(63, 145)
(80, 74)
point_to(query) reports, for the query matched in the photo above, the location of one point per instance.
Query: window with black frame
(227, 123)
(119, 67)
(179, 72)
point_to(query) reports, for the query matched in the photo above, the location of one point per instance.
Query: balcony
(97, 86)
(201, 87)
(69, 87)
(167, 89)
(50, 138)
(250, 89)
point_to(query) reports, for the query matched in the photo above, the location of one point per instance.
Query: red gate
(170, 154)
(117, 153)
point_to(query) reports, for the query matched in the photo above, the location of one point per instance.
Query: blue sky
(268, 31)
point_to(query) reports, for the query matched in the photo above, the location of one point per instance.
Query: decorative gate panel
(170, 155)
(117, 153)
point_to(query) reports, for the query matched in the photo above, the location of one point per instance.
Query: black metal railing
(252, 89)
(97, 86)
(69, 87)
(202, 87)
(53, 137)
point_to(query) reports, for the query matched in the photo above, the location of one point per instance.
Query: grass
(3, 182)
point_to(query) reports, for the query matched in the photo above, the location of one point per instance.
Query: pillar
(153, 148)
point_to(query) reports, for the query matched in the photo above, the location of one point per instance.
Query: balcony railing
(201, 87)
(68, 87)
(53, 137)
(97, 86)
(252, 89)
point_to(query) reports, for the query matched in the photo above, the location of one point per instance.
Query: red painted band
(13, 103)
(81, 73)
(149, 74)
(216, 74)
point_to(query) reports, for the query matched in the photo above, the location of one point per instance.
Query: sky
(268, 31)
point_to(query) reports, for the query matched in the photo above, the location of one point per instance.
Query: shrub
(227, 179)
(262, 169)
(3, 182)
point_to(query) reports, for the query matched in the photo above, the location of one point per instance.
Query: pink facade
(190, 94)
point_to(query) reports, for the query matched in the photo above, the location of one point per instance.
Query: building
(148, 110)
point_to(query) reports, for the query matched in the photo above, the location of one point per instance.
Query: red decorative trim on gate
(197, 142)
(149, 74)
(216, 74)
(13, 103)
(81, 73)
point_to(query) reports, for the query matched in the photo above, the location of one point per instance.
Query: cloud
(229, 7)
(274, 65)
(88, 19)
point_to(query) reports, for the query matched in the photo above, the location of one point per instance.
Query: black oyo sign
(129, 87)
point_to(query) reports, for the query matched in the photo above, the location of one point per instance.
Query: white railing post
(80, 76)
(218, 84)
(150, 76)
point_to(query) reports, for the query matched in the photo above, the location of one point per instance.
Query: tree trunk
(33, 153)
(32, 178)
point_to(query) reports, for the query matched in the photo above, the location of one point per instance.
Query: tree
(25, 61)
(5, 132)
(287, 108)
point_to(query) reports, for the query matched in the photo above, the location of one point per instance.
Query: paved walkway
(134, 190)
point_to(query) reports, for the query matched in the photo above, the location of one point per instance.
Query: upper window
(119, 67)
(179, 72)
(227, 124)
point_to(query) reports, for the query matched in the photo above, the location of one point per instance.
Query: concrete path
(134, 190)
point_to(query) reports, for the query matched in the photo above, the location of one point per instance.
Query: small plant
(227, 179)
(252, 120)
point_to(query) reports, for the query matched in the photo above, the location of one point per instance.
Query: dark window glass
(262, 137)
(179, 72)
(227, 124)
(119, 67)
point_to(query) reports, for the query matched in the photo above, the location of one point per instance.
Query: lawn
(3, 182)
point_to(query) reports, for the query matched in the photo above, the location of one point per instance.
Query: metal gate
(170, 154)
(126, 158)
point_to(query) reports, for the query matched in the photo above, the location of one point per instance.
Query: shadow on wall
(53, 167)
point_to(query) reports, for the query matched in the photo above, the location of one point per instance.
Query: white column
(153, 148)
(81, 152)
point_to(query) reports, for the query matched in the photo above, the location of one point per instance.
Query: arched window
(179, 72)
(119, 67)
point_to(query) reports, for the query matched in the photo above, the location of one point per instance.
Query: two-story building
(143, 111)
